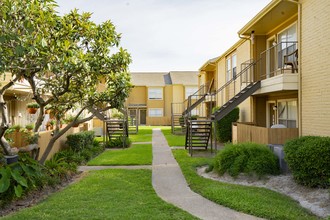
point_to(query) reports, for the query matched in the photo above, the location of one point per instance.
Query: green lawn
(172, 139)
(106, 194)
(137, 154)
(144, 134)
(252, 200)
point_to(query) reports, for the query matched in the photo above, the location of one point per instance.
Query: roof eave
(255, 19)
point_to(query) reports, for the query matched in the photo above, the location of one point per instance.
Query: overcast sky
(167, 35)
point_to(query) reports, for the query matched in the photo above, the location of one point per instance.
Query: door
(271, 113)
(143, 116)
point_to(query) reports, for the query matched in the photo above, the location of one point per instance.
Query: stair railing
(237, 83)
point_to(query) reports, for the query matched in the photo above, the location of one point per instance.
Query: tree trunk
(40, 119)
(52, 141)
(4, 126)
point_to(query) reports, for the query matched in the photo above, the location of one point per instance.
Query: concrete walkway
(170, 184)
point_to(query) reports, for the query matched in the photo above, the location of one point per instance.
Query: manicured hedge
(249, 158)
(223, 127)
(309, 160)
(80, 140)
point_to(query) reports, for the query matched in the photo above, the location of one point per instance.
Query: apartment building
(277, 73)
(150, 101)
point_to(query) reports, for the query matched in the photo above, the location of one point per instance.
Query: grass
(105, 194)
(137, 154)
(99, 139)
(256, 201)
(144, 134)
(172, 139)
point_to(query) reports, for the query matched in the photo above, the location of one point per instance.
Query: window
(231, 67)
(190, 90)
(155, 93)
(287, 113)
(155, 112)
(286, 39)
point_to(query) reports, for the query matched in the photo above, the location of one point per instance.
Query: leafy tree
(72, 55)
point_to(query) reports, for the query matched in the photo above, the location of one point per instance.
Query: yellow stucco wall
(315, 80)
(168, 99)
(138, 95)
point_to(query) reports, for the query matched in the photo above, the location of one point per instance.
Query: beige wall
(243, 54)
(166, 120)
(168, 99)
(138, 95)
(315, 80)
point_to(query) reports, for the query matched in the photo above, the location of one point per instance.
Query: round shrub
(309, 160)
(247, 158)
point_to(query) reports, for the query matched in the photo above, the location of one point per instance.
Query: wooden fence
(262, 135)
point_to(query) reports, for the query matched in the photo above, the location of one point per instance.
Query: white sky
(169, 35)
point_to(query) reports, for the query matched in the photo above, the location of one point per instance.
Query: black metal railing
(279, 59)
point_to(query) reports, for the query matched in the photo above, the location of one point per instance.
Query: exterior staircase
(235, 101)
(116, 128)
(198, 134)
(193, 105)
(199, 131)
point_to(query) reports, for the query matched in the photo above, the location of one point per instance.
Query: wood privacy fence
(262, 135)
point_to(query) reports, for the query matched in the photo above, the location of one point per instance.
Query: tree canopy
(64, 59)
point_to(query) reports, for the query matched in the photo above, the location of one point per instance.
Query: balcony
(278, 68)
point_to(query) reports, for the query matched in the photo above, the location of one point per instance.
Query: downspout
(299, 66)
(252, 117)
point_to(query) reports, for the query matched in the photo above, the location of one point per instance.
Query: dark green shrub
(223, 127)
(118, 142)
(309, 160)
(80, 140)
(18, 178)
(57, 167)
(247, 158)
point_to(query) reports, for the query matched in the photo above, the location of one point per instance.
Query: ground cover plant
(248, 158)
(309, 160)
(28, 176)
(137, 154)
(106, 194)
(256, 201)
(173, 139)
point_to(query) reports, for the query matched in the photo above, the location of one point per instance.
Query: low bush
(247, 158)
(19, 178)
(309, 160)
(118, 142)
(80, 140)
(223, 127)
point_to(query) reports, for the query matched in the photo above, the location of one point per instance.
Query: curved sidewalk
(170, 184)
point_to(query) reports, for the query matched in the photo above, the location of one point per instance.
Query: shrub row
(80, 140)
(309, 160)
(247, 158)
(223, 127)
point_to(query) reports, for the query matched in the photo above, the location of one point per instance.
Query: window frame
(286, 118)
(155, 88)
(156, 116)
(231, 67)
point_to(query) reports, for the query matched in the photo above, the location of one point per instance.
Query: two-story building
(153, 93)
(276, 73)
